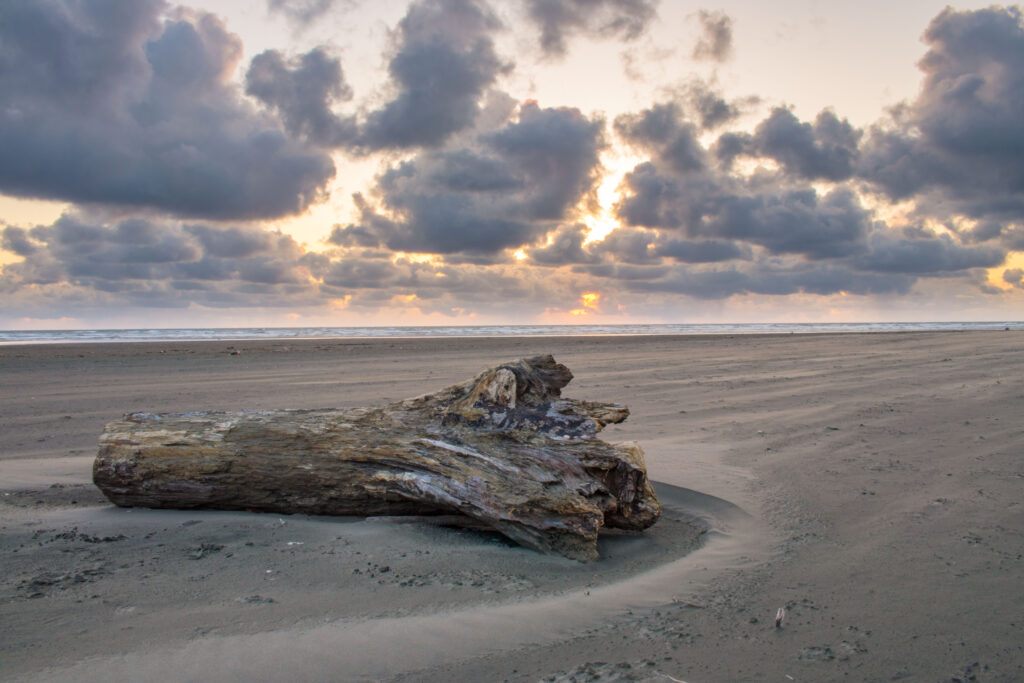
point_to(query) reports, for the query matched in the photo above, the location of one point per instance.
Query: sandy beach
(869, 484)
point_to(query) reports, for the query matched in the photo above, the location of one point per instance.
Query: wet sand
(870, 484)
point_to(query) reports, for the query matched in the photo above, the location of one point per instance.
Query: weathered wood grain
(503, 448)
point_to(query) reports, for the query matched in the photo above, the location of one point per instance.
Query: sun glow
(415, 258)
(342, 303)
(589, 304)
(1015, 259)
(602, 221)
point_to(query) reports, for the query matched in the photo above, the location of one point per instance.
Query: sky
(236, 163)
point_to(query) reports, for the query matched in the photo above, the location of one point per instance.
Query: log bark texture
(503, 448)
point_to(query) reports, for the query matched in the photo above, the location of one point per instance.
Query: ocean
(239, 333)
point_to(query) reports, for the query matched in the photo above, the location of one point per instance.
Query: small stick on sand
(688, 603)
(779, 617)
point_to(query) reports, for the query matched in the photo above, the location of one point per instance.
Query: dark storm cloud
(146, 95)
(891, 254)
(499, 190)
(566, 247)
(827, 238)
(792, 222)
(1008, 236)
(833, 226)
(442, 66)
(983, 232)
(16, 240)
(1013, 239)
(630, 246)
(715, 43)
(704, 251)
(661, 200)
(123, 256)
(374, 281)
(302, 92)
(462, 170)
(112, 101)
(301, 12)
(1014, 276)
(559, 19)
(362, 274)
(625, 276)
(555, 151)
(710, 108)
(369, 231)
(772, 280)
(959, 147)
(785, 221)
(663, 130)
(444, 61)
(826, 150)
(650, 247)
(713, 109)
(231, 242)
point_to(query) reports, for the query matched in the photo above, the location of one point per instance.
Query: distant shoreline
(12, 337)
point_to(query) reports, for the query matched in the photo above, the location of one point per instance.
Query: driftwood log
(503, 449)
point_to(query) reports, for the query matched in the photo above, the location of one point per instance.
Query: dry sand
(870, 484)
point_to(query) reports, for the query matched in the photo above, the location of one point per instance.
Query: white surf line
(372, 649)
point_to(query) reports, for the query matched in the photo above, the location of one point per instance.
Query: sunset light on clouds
(445, 162)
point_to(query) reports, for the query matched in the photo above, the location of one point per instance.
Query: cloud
(565, 247)
(629, 246)
(231, 242)
(496, 190)
(157, 262)
(556, 151)
(443, 63)
(827, 237)
(17, 241)
(786, 221)
(558, 19)
(115, 102)
(710, 108)
(301, 13)
(442, 66)
(791, 222)
(779, 279)
(715, 43)
(958, 148)
(705, 251)
(662, 129)
(302, 92)
(926, 254)
(133, 106)
(826, 150)
(1014, 276)
(656, 199)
